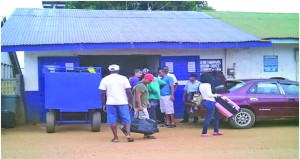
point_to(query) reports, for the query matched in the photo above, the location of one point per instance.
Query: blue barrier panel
(72, 90)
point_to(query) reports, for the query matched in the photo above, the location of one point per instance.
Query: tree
(140, 5)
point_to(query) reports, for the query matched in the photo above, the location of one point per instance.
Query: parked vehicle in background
(263, 99)
(268, 98)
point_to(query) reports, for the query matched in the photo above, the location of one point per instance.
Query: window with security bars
(6, 71)
(8, 82)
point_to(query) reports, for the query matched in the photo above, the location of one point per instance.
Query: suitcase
(228, 105)
(223, 111)
(8, 119)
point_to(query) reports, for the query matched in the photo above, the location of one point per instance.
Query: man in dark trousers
(154, 96)
(134, 81)
(136, 78)
(116, 95)
(191, 87)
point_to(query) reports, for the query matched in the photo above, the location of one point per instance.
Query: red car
(263, 98)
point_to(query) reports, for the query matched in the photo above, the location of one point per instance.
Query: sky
(282, 6)
(274, 6)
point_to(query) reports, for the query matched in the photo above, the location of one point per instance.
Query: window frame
(290, 83)
(281, 92)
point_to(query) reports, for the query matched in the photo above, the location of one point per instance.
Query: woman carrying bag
(209, 103)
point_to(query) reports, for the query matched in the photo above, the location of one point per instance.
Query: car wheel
(243, 119)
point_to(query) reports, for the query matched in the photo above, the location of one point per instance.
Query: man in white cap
(116, 95)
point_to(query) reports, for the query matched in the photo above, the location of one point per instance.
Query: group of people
(146, 96)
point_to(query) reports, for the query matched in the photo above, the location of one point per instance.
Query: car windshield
(236, 85)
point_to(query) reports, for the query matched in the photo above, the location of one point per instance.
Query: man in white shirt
(173, 76)
(116, 95)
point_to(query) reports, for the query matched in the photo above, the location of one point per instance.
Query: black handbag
(144, 126)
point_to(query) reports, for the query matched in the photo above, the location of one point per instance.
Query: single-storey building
(282, 29)
(188, 42)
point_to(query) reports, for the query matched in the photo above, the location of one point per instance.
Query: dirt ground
(266, 140)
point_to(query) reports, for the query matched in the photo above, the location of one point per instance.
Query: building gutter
(102, 46)
(284, 40)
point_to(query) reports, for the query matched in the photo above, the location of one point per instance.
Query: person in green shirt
(154, 97)
(140, 100)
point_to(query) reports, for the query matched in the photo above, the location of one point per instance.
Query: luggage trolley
(72, 90)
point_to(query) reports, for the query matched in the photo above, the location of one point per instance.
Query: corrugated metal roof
(74, 26)
(262, 25)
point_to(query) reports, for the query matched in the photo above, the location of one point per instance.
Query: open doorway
(127, 63)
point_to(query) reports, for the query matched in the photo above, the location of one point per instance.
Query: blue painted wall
(33, 104)
(35, 100)
(180, 69)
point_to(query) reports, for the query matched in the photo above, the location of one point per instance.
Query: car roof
(255, 80)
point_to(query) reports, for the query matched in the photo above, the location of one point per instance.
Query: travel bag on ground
(144, 126)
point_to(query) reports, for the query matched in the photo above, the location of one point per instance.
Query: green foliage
(140, 5)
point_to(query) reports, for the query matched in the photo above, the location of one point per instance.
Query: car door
(291, 91)
(267, 99)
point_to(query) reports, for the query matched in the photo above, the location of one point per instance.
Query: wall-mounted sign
(270, 63)
(69, 66)
(191, 66)
(170, 66)
(210, 64)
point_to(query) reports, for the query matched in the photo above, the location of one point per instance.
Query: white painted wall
(31, 67)
(6, 66)
(5, 58)
(31, 59)
(249, 62)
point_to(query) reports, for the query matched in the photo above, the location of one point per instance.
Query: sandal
(115, 140)
(164, 125)
(171, 126)
(130, 139)
(149, 137)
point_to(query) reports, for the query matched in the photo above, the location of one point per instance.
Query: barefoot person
(209, 103)
(116, 95)
(141, 100)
